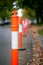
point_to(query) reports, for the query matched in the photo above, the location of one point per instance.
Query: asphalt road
(5, 47)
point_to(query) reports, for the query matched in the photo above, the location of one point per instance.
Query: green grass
(40, 32)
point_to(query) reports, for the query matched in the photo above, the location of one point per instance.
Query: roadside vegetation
(31, 9)
(40, 32)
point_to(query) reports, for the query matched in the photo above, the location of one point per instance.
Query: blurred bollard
(25, 27)
(20, 32)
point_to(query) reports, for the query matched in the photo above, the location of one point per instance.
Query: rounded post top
(14, 12)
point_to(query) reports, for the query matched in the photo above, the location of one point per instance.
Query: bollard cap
(20, 12)
(14, 12)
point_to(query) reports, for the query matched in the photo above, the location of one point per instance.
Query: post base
(21, 49)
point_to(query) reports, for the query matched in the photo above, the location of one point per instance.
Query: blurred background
(31, 9)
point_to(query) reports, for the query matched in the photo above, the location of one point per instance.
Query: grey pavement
(41, 41)
(25, 57)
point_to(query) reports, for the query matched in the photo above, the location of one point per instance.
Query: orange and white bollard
(25, 29)
(20, 32)
(14, 38)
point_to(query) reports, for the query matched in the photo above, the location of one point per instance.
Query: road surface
(5, 45)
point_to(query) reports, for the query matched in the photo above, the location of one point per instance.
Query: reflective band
(20, 28)
(14, 40)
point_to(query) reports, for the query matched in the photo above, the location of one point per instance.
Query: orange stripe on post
(14, 20)
(14, 23)
(14, 28)
(20, 40)
(20, 20)
(14, 57)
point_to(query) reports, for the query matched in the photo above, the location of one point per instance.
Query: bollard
(20, 32)
(20, 29)
(25, 29)
(14, 38)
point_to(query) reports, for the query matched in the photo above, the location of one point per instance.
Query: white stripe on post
(14, 40)
(20, 28)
